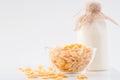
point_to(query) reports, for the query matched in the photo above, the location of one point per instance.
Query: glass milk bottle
(92, 31)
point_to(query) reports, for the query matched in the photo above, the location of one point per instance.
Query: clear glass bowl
(72, 64)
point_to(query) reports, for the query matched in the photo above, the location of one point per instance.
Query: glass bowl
(71, 59)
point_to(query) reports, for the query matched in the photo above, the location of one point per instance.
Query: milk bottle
(92, 31)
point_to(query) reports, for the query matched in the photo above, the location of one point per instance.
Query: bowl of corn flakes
(72, 58)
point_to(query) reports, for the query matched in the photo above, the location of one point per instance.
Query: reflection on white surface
(112, 74)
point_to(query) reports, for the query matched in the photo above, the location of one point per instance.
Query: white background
(27, 26)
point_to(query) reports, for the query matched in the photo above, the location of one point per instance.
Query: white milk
(92, 31)
(96, 36)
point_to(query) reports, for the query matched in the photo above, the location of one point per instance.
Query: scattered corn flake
(21, 69)
(40, 67)
(82, 77)
(62, 75)
(44, 74)
(59, 78)
(50, 68)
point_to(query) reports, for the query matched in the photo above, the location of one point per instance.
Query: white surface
(26, 26)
